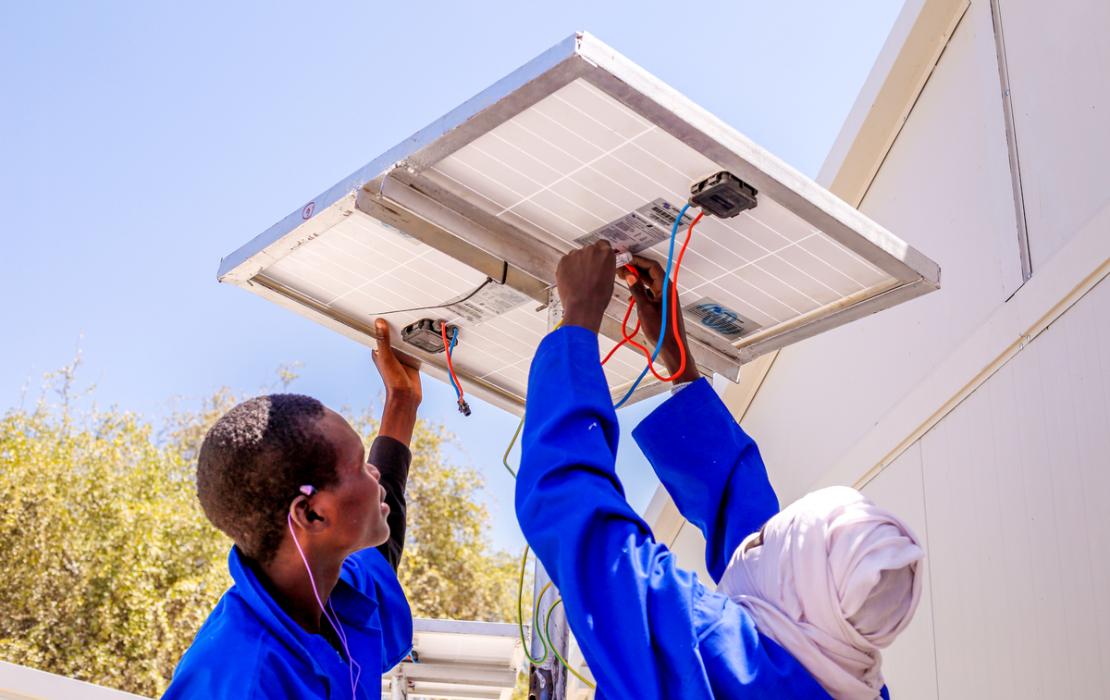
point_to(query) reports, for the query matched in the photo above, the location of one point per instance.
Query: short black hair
(253, 462)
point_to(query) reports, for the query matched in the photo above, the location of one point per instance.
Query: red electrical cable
(628, 336)
(447, 350)
(624, 323)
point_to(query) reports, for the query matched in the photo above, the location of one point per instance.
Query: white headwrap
(834, 582)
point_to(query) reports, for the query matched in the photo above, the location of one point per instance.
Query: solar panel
(577, 145)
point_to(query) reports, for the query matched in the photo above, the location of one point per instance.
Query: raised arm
(647, 628)
(630, 607)
(709, 466)
(390, 450)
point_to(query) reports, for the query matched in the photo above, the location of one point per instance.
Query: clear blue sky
(140, 142)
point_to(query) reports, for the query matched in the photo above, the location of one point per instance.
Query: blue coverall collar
(352, 606)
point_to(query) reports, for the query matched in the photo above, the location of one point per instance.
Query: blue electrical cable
(666, 299)
(632, 388)
(450, 348)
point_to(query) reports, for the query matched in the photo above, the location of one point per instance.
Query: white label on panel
(662, 213)
(720, 319)
(491, 300)
(637, 230)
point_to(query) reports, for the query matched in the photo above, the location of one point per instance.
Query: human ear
(303, 514)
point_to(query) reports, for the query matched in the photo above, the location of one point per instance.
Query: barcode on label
(663, 213)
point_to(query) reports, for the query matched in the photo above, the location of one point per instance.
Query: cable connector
(723, 195)
(427, 334)
(449, 347)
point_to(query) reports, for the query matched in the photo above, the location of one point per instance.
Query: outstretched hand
(646, 287)
(400, 373)
(403, 393)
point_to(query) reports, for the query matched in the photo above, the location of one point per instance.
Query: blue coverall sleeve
(647, 628)
(710, 467)
(372, 573)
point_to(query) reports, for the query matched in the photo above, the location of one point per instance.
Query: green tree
(447, 570)
(110, 565)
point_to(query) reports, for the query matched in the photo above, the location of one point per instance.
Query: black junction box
(426, 334)
(723, 195)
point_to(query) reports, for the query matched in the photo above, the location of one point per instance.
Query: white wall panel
(1058, 57)
(1008, 493)
(1015, 482)
(909, 665)
(945, 186)
(1009, 489)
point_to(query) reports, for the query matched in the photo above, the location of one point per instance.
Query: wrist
(585, 319)
(398, 419)
(689, 372)
(399, 414)
(401, 399)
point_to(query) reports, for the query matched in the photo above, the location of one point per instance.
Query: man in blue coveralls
(807, 597)
(316, 610)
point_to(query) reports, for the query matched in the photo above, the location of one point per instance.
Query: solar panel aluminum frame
(393, 190)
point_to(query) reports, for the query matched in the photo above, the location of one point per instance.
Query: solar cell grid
(578, 159)
(579, 143)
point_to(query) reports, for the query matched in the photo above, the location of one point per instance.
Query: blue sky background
(141, 141)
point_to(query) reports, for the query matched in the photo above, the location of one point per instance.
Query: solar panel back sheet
(577, 145)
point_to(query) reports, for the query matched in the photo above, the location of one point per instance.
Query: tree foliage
(447, 570)
(110, 565)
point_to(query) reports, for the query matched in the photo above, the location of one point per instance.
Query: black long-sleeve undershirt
(392, 458)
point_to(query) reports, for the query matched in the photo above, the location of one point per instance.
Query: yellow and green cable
(542, 633)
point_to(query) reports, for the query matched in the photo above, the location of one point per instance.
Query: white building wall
(979, 414)
(1059, 59)
(944, 188)
(910, 666)
(1015, 480)
(1009, 493)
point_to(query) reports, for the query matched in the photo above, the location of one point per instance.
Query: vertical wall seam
(1012, 144)
(929, 566)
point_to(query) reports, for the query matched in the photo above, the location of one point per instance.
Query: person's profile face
(360, 517)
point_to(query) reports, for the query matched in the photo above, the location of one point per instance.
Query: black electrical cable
(469, 296)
